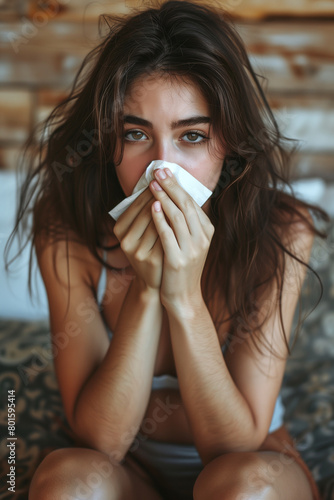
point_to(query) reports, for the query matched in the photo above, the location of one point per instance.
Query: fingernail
(157, 206)
(168, 172)
(156, 186)
(160, 173)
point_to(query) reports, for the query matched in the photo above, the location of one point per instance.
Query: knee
(235, 476)
(47, 475)
(66, 472)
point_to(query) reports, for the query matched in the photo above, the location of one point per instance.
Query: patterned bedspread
(308, 387)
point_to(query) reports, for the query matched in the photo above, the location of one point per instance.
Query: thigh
(86, 473)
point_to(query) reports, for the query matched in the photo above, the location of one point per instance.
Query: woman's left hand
(185, 239)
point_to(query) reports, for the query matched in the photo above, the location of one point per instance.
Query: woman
(178, 317)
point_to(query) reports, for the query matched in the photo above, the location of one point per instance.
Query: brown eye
(194, 137)
(135, 136)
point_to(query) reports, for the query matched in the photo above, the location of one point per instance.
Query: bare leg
(261, 475)
(86, 474)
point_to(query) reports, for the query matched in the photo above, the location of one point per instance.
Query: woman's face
(168, 119)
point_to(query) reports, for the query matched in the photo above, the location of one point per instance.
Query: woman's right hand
(139, 240)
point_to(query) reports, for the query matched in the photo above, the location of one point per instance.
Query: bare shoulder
(66, 260)
(297, 233)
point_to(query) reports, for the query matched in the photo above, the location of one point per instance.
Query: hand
(140, 241)
(185, 240)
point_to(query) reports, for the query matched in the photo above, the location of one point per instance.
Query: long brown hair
(72, 180)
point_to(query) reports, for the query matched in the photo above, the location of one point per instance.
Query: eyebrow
(187, 122)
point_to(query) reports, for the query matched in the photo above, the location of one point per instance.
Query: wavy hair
(71, 181)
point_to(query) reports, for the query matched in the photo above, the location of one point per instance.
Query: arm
(219, 415)
(100, 381)
(111, 405)
(229, 401)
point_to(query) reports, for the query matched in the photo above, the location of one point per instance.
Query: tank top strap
(102, 284)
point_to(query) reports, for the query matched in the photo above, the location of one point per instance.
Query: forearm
(218, 414)
(113, 402)
(165, 418)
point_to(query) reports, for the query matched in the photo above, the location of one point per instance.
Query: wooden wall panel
(290, 43)
(310, 120)
(294, 57)
(46, 101)
(40, 12)
(9, 157)
(260, 9)
(15, 116)
(77, 11)
(307, 165)
(49, 58)
(11, 9)
(73, 10)
(264, 9)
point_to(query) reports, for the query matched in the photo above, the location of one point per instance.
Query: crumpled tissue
(194, 188)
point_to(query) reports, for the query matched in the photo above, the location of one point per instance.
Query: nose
(165, 150)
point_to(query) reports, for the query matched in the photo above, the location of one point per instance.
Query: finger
(175, 218)
(206, 223)
(125, 220)
(148, 240)
(165, 232)
(157, 251)
(177, 196)
(184, 221)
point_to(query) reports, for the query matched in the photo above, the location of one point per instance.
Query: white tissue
(196, 189)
